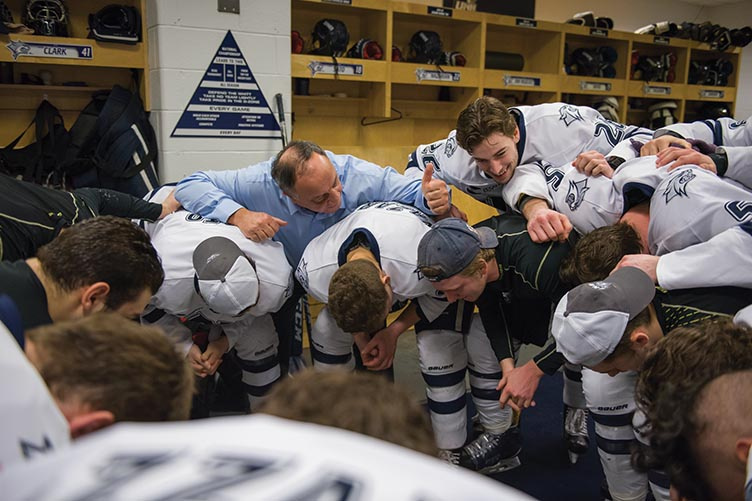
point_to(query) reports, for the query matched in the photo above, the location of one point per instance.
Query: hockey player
(608, 326)
(217, 280)
(32, 215)
(104, 263)
(365, 264)
(693, 389)
(514, 282)
(75, 377)
(490, 141)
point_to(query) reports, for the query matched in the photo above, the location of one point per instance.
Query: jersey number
(739, 210)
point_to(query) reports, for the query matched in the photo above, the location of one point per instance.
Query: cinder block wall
(184, 35)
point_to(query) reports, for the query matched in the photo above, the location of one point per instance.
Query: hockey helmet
(330, 38)
(46, 17)
(116, 23)
(425, 47)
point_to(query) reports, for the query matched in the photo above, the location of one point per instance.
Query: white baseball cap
(590, 320)
(225, 277)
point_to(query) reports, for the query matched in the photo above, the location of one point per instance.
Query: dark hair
(103, 249)
(357, 297)
(359, 402)
(673, 375)
(485, 116)
(114, 364)
(598, 252)
(289, 163)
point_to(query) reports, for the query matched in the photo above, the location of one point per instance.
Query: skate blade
(503, 465)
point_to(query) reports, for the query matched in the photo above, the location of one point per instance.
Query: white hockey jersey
(554, 132)
(33, 425)
(720, 132)
(734, 136)
(693, 205)
(241, 458)
(393, 231)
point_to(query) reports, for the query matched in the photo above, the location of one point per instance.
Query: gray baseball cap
(451, 245)
(225, 277)
(589, 321)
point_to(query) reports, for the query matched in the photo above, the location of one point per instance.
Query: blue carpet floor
(546, 473)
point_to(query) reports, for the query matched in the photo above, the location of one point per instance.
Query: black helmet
(714, 110)
(116, 23)
(330, 38)
(365, 48)
(46, 17)
(425, 47)
(5, 15)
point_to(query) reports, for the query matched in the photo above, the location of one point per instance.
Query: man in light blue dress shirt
(301, 192)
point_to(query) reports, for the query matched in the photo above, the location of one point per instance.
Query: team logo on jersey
(576, 193)
(569, 114)
(736, 125)
(677, 185)
(451, 146)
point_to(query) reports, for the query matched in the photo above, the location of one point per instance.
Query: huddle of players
(363, 260)
(366, 259)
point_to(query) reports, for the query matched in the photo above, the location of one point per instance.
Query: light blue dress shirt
(219, 194)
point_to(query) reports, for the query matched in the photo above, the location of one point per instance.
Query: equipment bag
(38, 162)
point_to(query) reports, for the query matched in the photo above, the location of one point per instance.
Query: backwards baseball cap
(451, 245)
(590, 320)
(225, 277)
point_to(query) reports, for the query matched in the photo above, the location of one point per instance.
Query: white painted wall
(634, 14)
(183, 36)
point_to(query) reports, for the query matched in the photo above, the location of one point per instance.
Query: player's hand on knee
(257, 226)
(378, 354)
(435, 192)
(655, 146)
(680, 156)
(645, 262)
(593, 163)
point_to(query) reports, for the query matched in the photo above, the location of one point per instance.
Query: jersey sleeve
(527, 180)
(114, 203)
(723, 260)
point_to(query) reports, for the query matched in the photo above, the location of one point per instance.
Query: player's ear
(516, 135)
(640, 339)
(385, 278)
(742, 450)
(94, 297)
(89, 422)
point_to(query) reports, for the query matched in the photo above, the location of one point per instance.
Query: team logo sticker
(677, 185)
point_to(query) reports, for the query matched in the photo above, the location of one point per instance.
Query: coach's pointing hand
(257, 226)
(435, 192)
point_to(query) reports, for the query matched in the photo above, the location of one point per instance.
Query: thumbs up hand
(435, 192)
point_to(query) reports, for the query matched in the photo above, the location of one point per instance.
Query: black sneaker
(493, 453)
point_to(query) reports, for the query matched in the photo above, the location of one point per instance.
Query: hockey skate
(450, 456)
(576, 432)
(493, 453)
